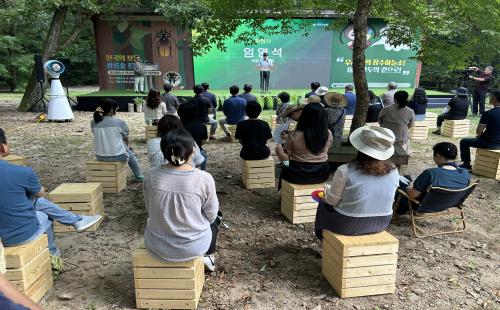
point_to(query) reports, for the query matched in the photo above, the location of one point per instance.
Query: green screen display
(323, 55)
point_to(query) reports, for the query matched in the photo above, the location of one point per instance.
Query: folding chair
(437, 202)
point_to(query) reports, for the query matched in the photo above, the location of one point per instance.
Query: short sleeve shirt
(491, 119)
(234, 109)
(253, 134)
(295, 146)
(482, 86)
(265, 64)
(451, 179)
(18, 221)
(203, 105)
(171, 102)
(459, 107)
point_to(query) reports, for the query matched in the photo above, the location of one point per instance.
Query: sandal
(437, 132)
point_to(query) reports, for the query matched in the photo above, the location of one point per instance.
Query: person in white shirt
(265, 66)
(154, 108)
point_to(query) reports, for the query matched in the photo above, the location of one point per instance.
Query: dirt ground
(263, 261)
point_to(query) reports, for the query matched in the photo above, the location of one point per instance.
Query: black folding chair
(437, 202)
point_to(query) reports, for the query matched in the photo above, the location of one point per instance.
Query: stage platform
(88, 102)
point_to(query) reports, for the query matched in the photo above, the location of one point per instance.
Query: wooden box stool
(455, 128)
(419, 131)
(360, 265)
(487, 163)
(370, 124)
(296, 202)
(167, 285)
(347, 123)
(112, 174)
(232, 131)
(151, 131)
(80, 198)
(29, 268)
(431, 119)
(258, 173)
(16, 160)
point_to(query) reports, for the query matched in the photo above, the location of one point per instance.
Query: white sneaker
(86, 222)
(209, 261)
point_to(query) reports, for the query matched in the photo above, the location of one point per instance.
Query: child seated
(253, 134)
(111, 137)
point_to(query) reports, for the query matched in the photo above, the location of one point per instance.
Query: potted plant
(138, 101)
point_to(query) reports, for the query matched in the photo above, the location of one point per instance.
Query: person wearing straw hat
(335, 110)
(307, 148)
(291, 113)
(358, 199)
(399, 118)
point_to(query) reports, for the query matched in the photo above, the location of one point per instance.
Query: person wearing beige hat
(335, 110)
(321, 92)
(292, 113)
(358, 199)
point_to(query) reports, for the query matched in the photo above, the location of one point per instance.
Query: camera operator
(481, 84)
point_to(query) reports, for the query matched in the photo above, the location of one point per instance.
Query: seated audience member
(358, 199)
(388, 97)
(188, 113)
(155, 155)
(487, 131)
(111, 137)
(171, 101)
(351, 99)
(204, 109)
(321, 92)
(211, 97)
(457, 109)
(334, 108)
(282, 122)
(398, 118)
(314, 87)
(418, 103)
(253, 134)
(182, 205)
(291, 113)
(447, 174)
(233, 108)
(154, 108)
(307, 148)
(247, 95)
(374, 107)
(24, 214)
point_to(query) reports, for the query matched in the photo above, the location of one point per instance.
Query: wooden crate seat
(80, 198)
(370, 124)
(360, 265)
(455, 128)
(29, 267)
(112, 174)
(296, 202)
(273, 122)
(232, 131)
(347, 123)
(419, 131)
(16, 160)
(258, 173)
(151, 131)
(167, 285)
(431, 119)
(487, 163)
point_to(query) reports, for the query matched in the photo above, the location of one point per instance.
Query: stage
(88, 102)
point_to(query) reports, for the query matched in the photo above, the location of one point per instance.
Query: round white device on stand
(59, 108)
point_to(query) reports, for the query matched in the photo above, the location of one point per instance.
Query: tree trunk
(51, 46)
(358, 63)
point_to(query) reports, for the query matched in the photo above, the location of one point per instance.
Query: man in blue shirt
(487, 131)
(233, 108)
(211, 97)
(351, 99)
(24, 213)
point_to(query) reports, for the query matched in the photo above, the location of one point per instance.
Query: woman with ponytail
(307, 148)
(399, 118)
(447, 174)
(182, 204)
(111, 137)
